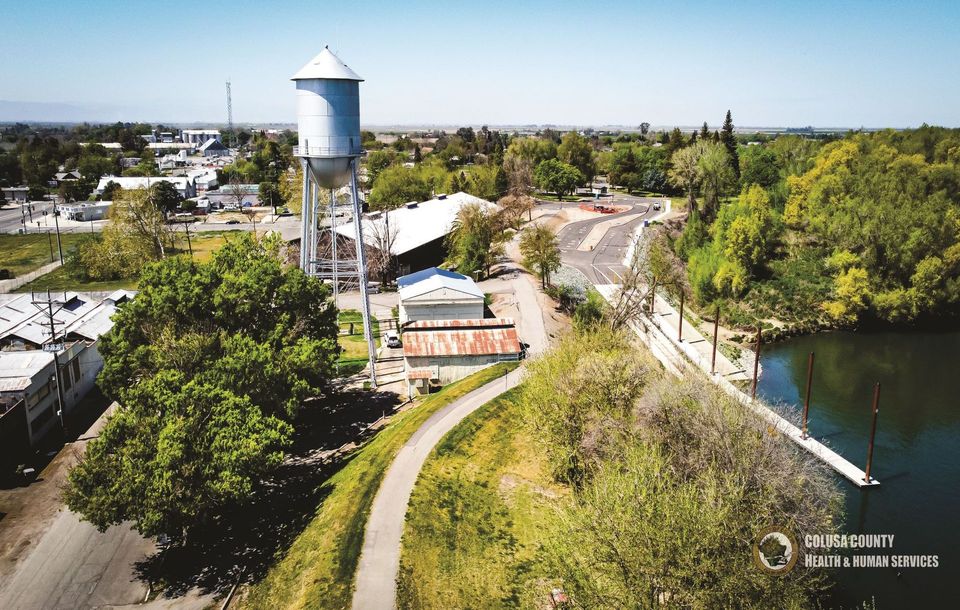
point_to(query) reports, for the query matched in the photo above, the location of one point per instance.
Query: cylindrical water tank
(328, 118)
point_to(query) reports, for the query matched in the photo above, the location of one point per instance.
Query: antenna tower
(229, 110)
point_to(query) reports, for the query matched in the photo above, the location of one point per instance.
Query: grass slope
(22, 254)
(472, 533)
(354, 355)
(317, 570)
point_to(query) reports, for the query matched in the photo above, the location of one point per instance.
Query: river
(917, 453)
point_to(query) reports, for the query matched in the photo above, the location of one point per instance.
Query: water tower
(328, 122)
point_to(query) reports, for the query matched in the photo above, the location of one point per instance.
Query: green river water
(917, 454)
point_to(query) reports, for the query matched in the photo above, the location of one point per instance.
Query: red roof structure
(460, 338)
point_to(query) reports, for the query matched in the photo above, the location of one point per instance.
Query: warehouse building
(438, 352)
(438, 294)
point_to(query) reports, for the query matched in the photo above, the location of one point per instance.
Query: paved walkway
(376, 584)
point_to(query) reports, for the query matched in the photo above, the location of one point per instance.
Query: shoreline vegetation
(603, 477)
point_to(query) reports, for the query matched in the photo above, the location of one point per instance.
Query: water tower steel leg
(304, 216)
(314, 227)
(362, 275)
(333, 243)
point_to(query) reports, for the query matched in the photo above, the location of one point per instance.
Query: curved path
(376, 586)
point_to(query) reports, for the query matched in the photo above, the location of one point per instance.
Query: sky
(845, 63)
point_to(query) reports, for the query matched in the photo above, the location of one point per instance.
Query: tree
(513, 208)
(110, 191)
(716, 176)
(379, 160)
(209, 364)
(654, 267)
(397, 185)
(519, 173)
(575, 150)
(556, 176)
(135, 215)
(729, 141)
(474, 242)
(165, 197)
(417, 154)
(269, 194)
(541, 252)
(685, 172)
(759, 165)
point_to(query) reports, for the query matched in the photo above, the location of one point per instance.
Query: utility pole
(56, 220)
(46, 306)
(230, 113)
(186, 227)
(50, 242)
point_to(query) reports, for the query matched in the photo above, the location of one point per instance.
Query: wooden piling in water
(873, 431)
(806, 401)
(756, 365)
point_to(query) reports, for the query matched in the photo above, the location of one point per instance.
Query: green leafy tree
(759, 165)
(269, 194)
(165, 197)
(209, 364)
(397, 185)
(475, 241)
(576, 150)
(541, 251)
(558, 177)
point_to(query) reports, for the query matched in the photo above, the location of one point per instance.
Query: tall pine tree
(730, 142)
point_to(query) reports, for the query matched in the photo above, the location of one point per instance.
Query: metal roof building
(438, 294)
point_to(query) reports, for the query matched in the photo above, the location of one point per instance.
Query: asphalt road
(604, 264)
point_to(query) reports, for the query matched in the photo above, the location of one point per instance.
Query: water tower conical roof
(326, 65)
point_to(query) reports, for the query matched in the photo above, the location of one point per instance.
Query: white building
(204, 178)
(19, 194)
(28, 372)
(171, 146)
(185, 186)
(438, 294)
(415, 231)
(85, 211)
(199, 136)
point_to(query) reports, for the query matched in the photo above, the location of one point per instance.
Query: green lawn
(25, 253)
(317, 571)
(476, 517)
(354, 356)
(204, 244)
(60, 279)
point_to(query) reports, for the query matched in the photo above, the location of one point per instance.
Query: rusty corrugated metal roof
(420, 374)
(461, 338)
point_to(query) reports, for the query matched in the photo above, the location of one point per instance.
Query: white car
(393, 339)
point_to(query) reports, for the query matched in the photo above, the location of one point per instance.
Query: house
(438, 294)
(85, 211)
(234, 195)
(68, 176)
(18, 194)
(415, 232)
(214, 148)
(33, 390)
(438, 352)
(199, 136)
(185, 186)
(204, 178)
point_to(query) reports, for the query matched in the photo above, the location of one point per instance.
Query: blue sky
(843, 63)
